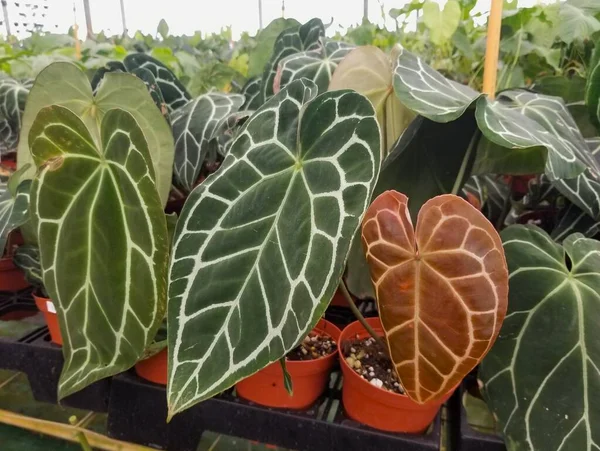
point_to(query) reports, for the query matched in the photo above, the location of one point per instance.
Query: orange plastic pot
(46, 306)
(309, 378)
(153, 369)
(377, 407)
(11, 277)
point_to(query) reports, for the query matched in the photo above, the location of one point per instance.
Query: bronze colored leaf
(442, 290)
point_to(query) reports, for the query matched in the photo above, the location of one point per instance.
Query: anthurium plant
(102, 236)
(543, 392)
(518, 133)
(64, 84)
(260, 245)
(441, 288)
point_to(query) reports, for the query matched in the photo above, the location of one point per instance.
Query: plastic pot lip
(367, 389)
(309, 367)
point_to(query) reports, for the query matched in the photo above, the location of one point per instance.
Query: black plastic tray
(18, 301)
(137, 413)
(42, 361)
(467, 438)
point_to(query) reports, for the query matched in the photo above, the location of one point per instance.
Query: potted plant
(554, 294)
(271, 229)
(305, 369)
(441, 291)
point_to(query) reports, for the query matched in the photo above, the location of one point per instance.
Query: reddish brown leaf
(442, 290)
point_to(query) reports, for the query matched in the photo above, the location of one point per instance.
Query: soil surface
(369, 359)
(314, 346)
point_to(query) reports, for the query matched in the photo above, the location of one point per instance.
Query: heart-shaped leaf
(293, 40)
(441, 289)
(368, 71)
(193, 128)
(172, 90)
(542, 377)
(273, 226)
(66, 85)
(103, 241)
(441, 24)
(316, 65)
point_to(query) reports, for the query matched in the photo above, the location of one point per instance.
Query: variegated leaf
(583, 189)
(227, 129)
(368, 71)
(518, 136)
(542, 377)
(252, 92)
(316, 65)
(429, 93)
(146, 76)
(66, 85)
(193, 128)
(111, 66)
(574, 220)
(14, 210)
(173, 92)
(13, 96)
(110, 293)
(441, 289)
(27, 259)
(293, 40)
(273, 226)
(490, 192)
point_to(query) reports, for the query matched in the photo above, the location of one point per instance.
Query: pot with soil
(371, 392)
(442, 293)
(308, 364)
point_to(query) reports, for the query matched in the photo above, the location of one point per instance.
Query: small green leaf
(173, 91)
(575, 23)
(287, 378)
(259, 56)
(441, 24)
(163, 28)
(194, 125)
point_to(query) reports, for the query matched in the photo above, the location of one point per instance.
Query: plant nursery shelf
(137, 413)
(42, 361)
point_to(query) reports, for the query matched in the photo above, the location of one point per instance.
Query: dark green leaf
(273, 225)
(27, 258)
(193, 128)
(542, 375)
(173, 92)
(265, 39)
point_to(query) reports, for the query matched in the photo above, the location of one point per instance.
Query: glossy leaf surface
(441, 288)
(261, 244)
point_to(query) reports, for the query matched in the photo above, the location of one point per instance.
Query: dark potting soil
(369, 360)
(314, 346)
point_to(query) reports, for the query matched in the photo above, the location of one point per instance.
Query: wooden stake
(490, 69)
